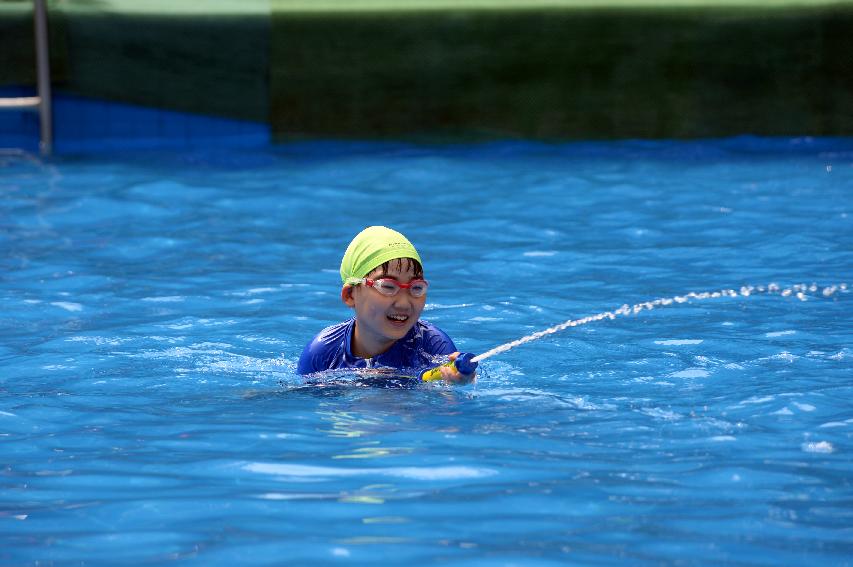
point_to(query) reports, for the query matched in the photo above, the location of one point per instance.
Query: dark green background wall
(570, 73)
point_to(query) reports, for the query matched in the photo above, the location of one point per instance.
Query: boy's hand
(452, 375)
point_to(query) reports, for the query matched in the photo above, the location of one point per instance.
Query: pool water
(153, 307)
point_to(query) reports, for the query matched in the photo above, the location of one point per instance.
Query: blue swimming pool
(154, 306)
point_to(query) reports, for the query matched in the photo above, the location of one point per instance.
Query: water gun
(464, 364)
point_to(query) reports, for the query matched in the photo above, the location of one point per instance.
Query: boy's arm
(325, 351)
(460, 370)
(306, 364)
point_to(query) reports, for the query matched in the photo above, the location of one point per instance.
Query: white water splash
(690, 373)
(800, 291)
(68, 305)
(416, 473)
(818, 447)
(165, 299)
(779, 334)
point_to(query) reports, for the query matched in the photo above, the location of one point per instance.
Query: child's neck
(365, 346)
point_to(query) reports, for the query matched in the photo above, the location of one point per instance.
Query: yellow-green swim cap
(372, 247)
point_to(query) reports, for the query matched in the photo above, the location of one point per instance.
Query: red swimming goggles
(389, 287)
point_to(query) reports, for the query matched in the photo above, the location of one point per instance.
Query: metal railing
(40, 103)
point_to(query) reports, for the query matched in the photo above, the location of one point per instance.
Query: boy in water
(383, 281)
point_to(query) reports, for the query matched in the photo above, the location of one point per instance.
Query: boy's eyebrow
(386, 276)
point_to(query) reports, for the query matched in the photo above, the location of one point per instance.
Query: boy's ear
(346, 295)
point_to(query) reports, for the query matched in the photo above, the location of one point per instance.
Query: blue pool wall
(84, 125)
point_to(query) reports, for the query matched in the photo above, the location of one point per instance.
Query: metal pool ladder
(40, 103)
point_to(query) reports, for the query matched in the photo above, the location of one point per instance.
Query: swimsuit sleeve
(436, 341)
(312, 357)
(325, 351)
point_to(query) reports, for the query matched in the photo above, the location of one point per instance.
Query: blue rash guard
(331, 349)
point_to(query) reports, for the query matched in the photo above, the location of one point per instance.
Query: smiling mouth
(398, 318)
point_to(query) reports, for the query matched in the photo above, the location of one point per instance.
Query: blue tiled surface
(90, 125)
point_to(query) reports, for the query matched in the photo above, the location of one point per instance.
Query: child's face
(382, 319)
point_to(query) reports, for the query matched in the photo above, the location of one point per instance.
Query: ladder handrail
(43, 70)
(42, 102)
